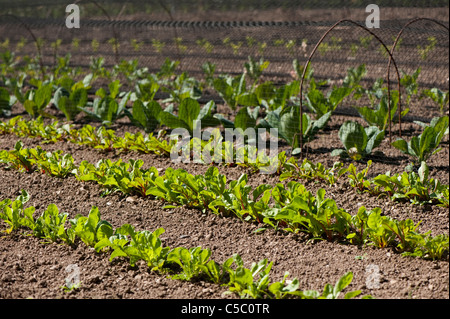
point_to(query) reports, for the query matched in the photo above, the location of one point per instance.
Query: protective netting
(227, 33)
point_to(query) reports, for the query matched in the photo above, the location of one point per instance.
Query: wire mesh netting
(278, 36)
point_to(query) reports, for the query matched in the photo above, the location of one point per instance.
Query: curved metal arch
(315, 49)
(394, 45)
(38, 46)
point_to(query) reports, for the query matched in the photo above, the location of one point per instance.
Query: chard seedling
(14, 214)
(192, 261)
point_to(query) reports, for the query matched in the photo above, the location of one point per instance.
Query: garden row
(290, 207)
(180, 263)
(257, 104)
(289, 45)
(417, 188)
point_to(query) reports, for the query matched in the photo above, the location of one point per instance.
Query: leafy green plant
(425, 51)
(378, 234)
(87, 228)
(14, 214)
(441, 98)
(205, 44)
(71, 102)
(320, 104)
(130, 71)
(105, 108)
(145, 114)
(209, 69)
(145, 90)
(254, 69)
(167, 70)
(318, 215)
(291, 169)
(95, 45)
(429, 247)
(379, 116)
(272, 97)
(7, 101)
(181, 88)
(68, 287)
(50, 225)
(249, 283)
(239, 199)
(354, 77)
(192, 261)
(147, 246)
(409, 82)
(234, 91)
(54, 163)
(97, 68)
(136, 44)
(359, 179)
(127, 178)
(418, 188)
(333, 292)
(190, 115)
(36, 100)
(421, 147)
(158, 45)
(374, 93)
(357, 140)
(282, 289)
(287, 121)
(19, 158)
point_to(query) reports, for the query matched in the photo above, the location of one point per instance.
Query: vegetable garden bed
(88, 187)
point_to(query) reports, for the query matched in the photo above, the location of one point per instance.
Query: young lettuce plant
(354, 77)
(50, 225)
(422, 147)
(409, 82)
(147, 246)
(357, 140)
(87, 228)
(145, 90)
(254, 69)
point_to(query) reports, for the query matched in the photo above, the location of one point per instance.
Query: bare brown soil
(30, 268)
